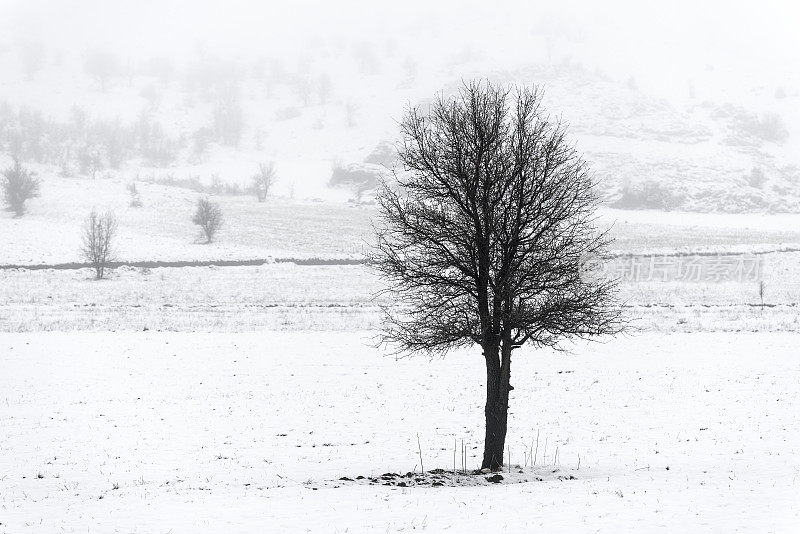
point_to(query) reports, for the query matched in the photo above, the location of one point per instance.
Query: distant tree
(228, 119)
(350, 110)
(115, 140)
(102, 66)
(98, 236)
(64, 158)
(136, 199)
(483, 240)
(32, 55)
(324, 88)
(756, 178)
(152, 96)
(263, 180)
(364, 54)
(287, 113)
(90, 161)
(19, 185)
(303, 89)
(208, 215)
(201, 139)
(410, 67)
(160, 68)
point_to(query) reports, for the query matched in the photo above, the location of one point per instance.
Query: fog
(737, 46)
(681, 95)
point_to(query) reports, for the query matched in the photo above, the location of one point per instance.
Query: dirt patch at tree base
(450, 478)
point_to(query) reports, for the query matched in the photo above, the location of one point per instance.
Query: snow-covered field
(286, 296)
(282, 227)
(187, 432)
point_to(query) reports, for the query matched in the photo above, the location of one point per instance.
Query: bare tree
(32, 55)
(482, 240)
(90, 161)
(324, 88)
(263, 180)
(228, 118)
(136, 198)
(103, 66)
(98, 236)
(350, 110)
(208, 215)
(19, 186)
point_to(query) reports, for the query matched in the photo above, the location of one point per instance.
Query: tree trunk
(497, 388)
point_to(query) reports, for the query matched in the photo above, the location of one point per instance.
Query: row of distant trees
(87, 146)
(200, 74)
(19, 184)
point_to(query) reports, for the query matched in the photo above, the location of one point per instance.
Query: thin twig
(419, 447)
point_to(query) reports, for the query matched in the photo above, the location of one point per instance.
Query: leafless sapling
(208, 215)
(263, 180)
(102, 66)
(136, 198)
(483, 238)
(97, 244)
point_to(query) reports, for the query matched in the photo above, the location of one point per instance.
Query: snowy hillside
(210, 117)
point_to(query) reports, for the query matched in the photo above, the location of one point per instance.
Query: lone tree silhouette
(484, 236)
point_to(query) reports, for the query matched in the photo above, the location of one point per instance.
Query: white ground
(232, 433)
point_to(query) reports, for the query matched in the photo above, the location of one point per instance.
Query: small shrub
(285, 114)
(648, 194)
(19, 186)
(208, 215)
(768, 127)
(98, 236)
(756, 178)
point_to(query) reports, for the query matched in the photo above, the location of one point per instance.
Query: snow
(741, 221)
(232, 433)
(205, 399)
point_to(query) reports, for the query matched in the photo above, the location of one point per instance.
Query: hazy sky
(657, 42)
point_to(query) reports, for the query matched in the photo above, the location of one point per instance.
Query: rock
(346, 479)
(363, 176)
(494, 479)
